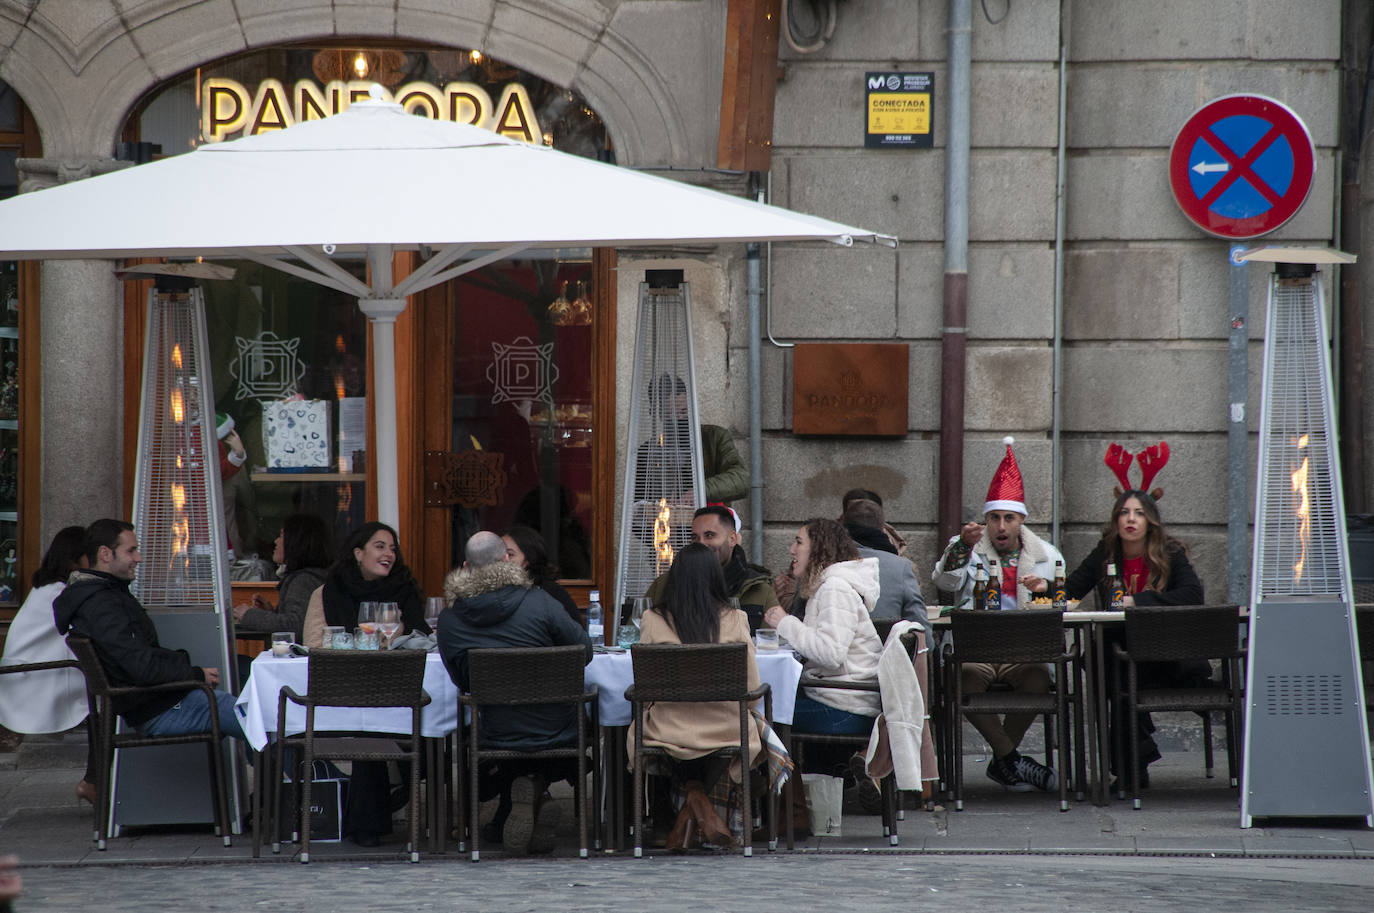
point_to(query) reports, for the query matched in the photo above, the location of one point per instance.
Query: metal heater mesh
(177, 505)
(1300, 526)
(663, 471)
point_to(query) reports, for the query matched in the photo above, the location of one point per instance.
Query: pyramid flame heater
(663, 456)
(183, 581)
(1306, 736)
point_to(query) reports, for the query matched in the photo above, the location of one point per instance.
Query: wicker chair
(349, 678)
(522, 677)
(696, 673)
(1021, 636)
(100, 696)
(888, 785)
(1172, 634)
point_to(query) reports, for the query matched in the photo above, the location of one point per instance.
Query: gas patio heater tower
(1306, 737)
(663, 471)
(183, 581)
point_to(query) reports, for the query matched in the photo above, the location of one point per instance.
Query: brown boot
(683, 833)
(712, 827)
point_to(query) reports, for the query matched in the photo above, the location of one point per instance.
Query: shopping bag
(824, 803)
(328, 792)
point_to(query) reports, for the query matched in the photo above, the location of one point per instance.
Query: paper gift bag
(328, 792)
(824, 803)
(295, 434)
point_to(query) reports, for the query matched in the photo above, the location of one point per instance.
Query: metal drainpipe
(755, 411)
(1060, 193)
(952, 356)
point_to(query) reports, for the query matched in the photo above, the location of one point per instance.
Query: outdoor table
(613, 672)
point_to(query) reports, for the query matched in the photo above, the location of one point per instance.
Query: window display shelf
(265, 476)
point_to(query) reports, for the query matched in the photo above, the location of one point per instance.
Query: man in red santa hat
(1027, 564)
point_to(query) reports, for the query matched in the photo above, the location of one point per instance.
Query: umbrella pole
(382, 314)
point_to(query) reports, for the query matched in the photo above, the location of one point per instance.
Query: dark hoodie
(496, 606)
(99, 607)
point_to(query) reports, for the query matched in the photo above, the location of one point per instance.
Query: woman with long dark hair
(52, 700)
(697, 610)
(527, 548)
(303, 551)
(369, 569)
(1154, 569)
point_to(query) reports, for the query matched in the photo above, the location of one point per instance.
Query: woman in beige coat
(697, 610)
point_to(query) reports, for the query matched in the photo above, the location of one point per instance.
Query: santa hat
(733, 515)
(224, 423)
(1006, 491)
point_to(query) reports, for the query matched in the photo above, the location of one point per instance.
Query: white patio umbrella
(373, 180)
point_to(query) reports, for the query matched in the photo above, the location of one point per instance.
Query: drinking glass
(343, 641)
(331, 632)
(389, 620)
(367, 617)
(641, 605)
(434, 606)
(281, 643)
(766, 639)
(362, 640)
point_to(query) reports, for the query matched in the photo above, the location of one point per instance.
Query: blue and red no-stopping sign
(1241, 166)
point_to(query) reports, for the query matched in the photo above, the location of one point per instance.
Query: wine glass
(367, 617)
(641, 605)
(434, 607)
(389, 620)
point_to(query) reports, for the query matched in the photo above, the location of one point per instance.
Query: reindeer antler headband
(1152, 459)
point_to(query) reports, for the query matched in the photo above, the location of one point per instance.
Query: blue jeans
(813, 716)
(192, 714)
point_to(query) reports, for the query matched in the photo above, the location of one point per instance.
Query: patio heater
(183, 581)
(1306, 738)
(663, 471)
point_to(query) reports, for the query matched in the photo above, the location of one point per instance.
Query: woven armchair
(528, 676)
(351, 678)
(696, 673)
(100, 696)
(1019, 636)
(1173, 634)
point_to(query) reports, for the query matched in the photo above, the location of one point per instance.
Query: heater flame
(338, 385)
(176, 356)
(1299, 478)
(181, 526)
(663, 552)
(178, 407)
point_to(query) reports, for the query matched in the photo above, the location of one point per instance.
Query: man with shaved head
(492, 603)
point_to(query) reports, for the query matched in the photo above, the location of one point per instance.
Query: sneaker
(1003, 771)
(870, 795)
(1031, 771)
(547, 815)
(525, 794)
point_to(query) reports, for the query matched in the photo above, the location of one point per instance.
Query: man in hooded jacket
(494, 604)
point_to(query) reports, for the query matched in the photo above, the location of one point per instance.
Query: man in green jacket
(723, 472)
(717, 527)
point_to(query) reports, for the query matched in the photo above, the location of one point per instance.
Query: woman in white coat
(53, 700)
(836, 634)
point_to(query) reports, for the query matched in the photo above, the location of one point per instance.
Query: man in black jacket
(494, 604)
(97, 605)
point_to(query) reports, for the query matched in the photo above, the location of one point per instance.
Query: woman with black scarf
(369, 569)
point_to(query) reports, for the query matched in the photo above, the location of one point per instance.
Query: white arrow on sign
(1208, 167)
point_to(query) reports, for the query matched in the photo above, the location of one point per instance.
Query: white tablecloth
(257, 705)
(612, 673)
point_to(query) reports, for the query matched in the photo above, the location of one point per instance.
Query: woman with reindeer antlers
(1154, 570)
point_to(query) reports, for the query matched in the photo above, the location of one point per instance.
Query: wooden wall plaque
(850, 388)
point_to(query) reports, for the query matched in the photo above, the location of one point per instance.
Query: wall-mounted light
(360, 65)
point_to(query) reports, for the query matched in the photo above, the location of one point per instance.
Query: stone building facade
(1144, 292)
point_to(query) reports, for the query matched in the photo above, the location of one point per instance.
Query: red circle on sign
(1276, 205)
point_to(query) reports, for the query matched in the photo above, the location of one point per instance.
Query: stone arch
(572, 45)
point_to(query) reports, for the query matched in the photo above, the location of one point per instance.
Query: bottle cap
(596, 595)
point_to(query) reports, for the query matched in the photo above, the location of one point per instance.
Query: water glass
(364, 639)
(281, 643)
(627, 635)
(342, 640)
(331, 632)
(766, 639)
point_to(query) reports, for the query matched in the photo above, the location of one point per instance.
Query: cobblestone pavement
(810, 883)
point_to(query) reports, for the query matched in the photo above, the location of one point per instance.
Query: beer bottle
(992, 595)
(1060, 596)
(1116, 590)
(980, 582)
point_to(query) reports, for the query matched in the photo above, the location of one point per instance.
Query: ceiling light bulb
(360, 65)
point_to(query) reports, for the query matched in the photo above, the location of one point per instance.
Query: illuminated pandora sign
(228, 107)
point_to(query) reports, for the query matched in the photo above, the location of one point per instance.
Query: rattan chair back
(1022, 636)
(1171, 633)
(96, 682)
(512, 676)
(690, 672)
(366, 678)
